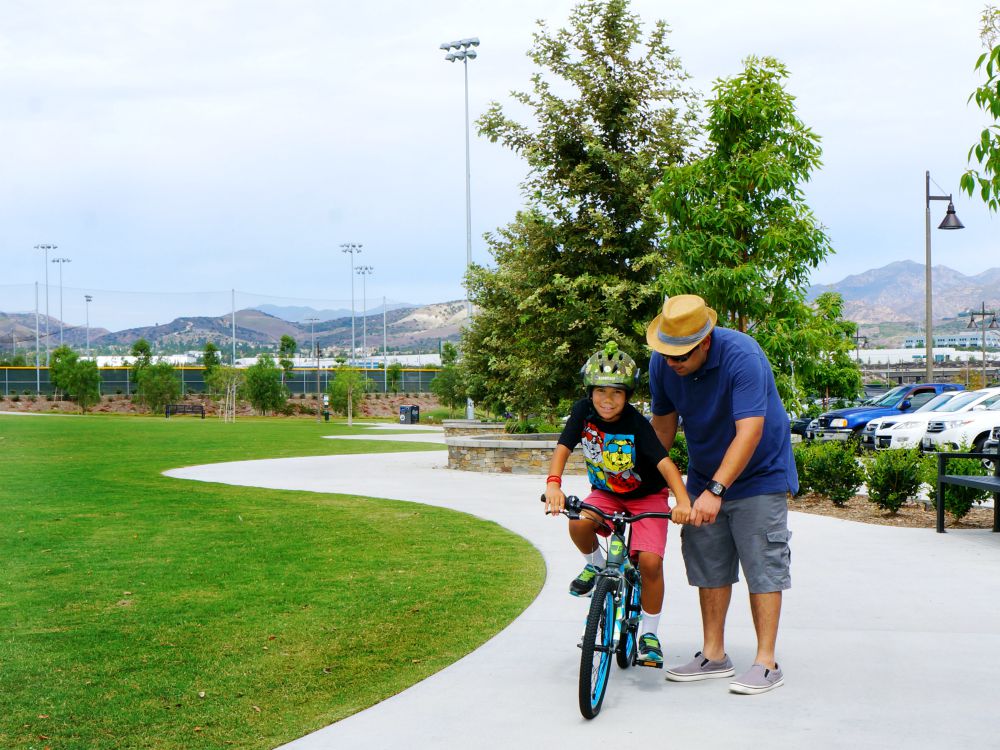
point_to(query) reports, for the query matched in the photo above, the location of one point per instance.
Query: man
(740, 470)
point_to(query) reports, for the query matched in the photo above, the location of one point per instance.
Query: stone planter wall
(509, 454)
(460, 427)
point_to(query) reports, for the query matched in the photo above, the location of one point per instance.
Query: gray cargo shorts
(752, 531)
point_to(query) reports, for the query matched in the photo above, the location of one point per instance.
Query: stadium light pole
(950, 222)
(45, 249)
(87, 298)
(61, 262)
(364, 272)
(351, 248)
(465, 50)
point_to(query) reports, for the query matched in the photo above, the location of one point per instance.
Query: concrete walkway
(889, 638)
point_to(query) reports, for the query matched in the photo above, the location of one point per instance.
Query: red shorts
(649, 534)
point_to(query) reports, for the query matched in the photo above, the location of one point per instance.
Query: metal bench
(987, 483)
(185, 409)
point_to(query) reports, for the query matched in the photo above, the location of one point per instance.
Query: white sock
(596, 558)
(649, 624)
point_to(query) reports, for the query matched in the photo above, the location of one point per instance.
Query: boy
(629, 470)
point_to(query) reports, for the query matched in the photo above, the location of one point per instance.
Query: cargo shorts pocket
(778, 556)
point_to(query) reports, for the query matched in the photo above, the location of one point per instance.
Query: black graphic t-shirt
(622, 455)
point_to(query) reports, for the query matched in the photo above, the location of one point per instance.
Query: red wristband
(554, 478)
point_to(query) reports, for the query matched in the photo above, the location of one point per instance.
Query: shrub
(957, 500)
(520, 428)
(832, 471)
(15, 397)
(800, 452)
(893, 477)
(679, 452)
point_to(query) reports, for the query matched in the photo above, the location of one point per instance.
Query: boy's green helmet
(611, 368)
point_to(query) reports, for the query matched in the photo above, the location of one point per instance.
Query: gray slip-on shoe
(701, 668)
(758, 679)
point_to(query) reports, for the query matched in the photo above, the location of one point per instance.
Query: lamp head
(951, 219)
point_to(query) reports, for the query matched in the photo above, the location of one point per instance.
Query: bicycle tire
(629, 640)
(598, 643)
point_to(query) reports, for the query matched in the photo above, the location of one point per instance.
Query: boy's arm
(675, 482)
(555, 499)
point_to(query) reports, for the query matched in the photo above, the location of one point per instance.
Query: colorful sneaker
(649, 649)
(583, 584)
(701, 668)
(757, 679)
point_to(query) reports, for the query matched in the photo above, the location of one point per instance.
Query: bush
(679, 452)
(520, 428)
(15, 397)
(957, 500)
(830, 469)
(893, 477)
(800, 452)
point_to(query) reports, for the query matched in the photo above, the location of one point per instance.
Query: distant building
(969, 339)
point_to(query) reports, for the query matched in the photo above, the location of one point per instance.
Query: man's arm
(738, 455)
(665, 427)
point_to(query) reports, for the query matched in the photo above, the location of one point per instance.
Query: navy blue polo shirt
(735, 382)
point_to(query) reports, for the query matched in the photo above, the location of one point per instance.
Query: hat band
(693, 339)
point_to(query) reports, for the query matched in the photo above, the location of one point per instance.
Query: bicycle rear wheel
(598, 644)
(629, 639)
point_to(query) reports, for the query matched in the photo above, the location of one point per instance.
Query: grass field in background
(139, 611)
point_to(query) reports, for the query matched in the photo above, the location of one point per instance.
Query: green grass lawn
(139, 611)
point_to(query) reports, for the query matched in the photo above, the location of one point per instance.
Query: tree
(346, 385)
(85, 384)
(286, 351)
(611, 111)
(143, 354)
(210, 359)
(738, 231)
(393, 377)
(158, 385)
(61, 365)
(263, 387)
(987, 98)
(447, 385)
(226, 382)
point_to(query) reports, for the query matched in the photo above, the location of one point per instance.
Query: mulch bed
(860, 508)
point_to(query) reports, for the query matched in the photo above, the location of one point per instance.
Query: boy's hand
(681, 513)
(555, 499)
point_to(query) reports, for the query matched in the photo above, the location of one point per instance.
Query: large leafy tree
(286, 352)
(611, 110)
(158, 385)
(987, 97)
(263, 387)
(738, 230)
(447, 385)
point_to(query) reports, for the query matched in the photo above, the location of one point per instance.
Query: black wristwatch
(716, 488)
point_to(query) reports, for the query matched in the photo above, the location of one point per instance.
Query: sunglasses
(682, 357)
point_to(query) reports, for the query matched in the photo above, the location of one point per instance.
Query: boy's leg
(583, 532)
(651, 568)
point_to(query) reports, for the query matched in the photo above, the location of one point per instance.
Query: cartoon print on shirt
(610, 460)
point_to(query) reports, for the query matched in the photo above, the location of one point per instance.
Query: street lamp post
(363, 272)
(45, 249)
(351, 248)
(60, 261)
(465, 50)
(950, 221)
(859, 341)
(88, 300)
(982, 314)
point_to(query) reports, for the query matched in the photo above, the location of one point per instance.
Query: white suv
(906, 431)
(959, 430)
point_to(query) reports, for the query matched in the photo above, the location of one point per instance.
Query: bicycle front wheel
(628, 639)
(598, 648)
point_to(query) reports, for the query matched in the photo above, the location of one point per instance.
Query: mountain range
(887, 303)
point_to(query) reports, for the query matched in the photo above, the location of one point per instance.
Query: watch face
(716, 488)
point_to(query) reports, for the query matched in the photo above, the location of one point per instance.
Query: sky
(177, 151)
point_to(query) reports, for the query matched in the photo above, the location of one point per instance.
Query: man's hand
(705, 509)
(555, 499)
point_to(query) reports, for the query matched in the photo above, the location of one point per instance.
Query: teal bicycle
(612, 629)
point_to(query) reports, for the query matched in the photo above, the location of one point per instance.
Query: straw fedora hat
(685, 321)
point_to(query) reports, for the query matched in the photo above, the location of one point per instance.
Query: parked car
(842, 424)
(799, 425)
(990, 446)
(868, 434)
(906, 431)
(965, 430)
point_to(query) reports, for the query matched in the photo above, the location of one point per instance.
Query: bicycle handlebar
(574, 505)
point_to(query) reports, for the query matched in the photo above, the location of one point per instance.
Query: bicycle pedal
(654, 664)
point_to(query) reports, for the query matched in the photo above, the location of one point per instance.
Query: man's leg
(714, 607)
(766, 611)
